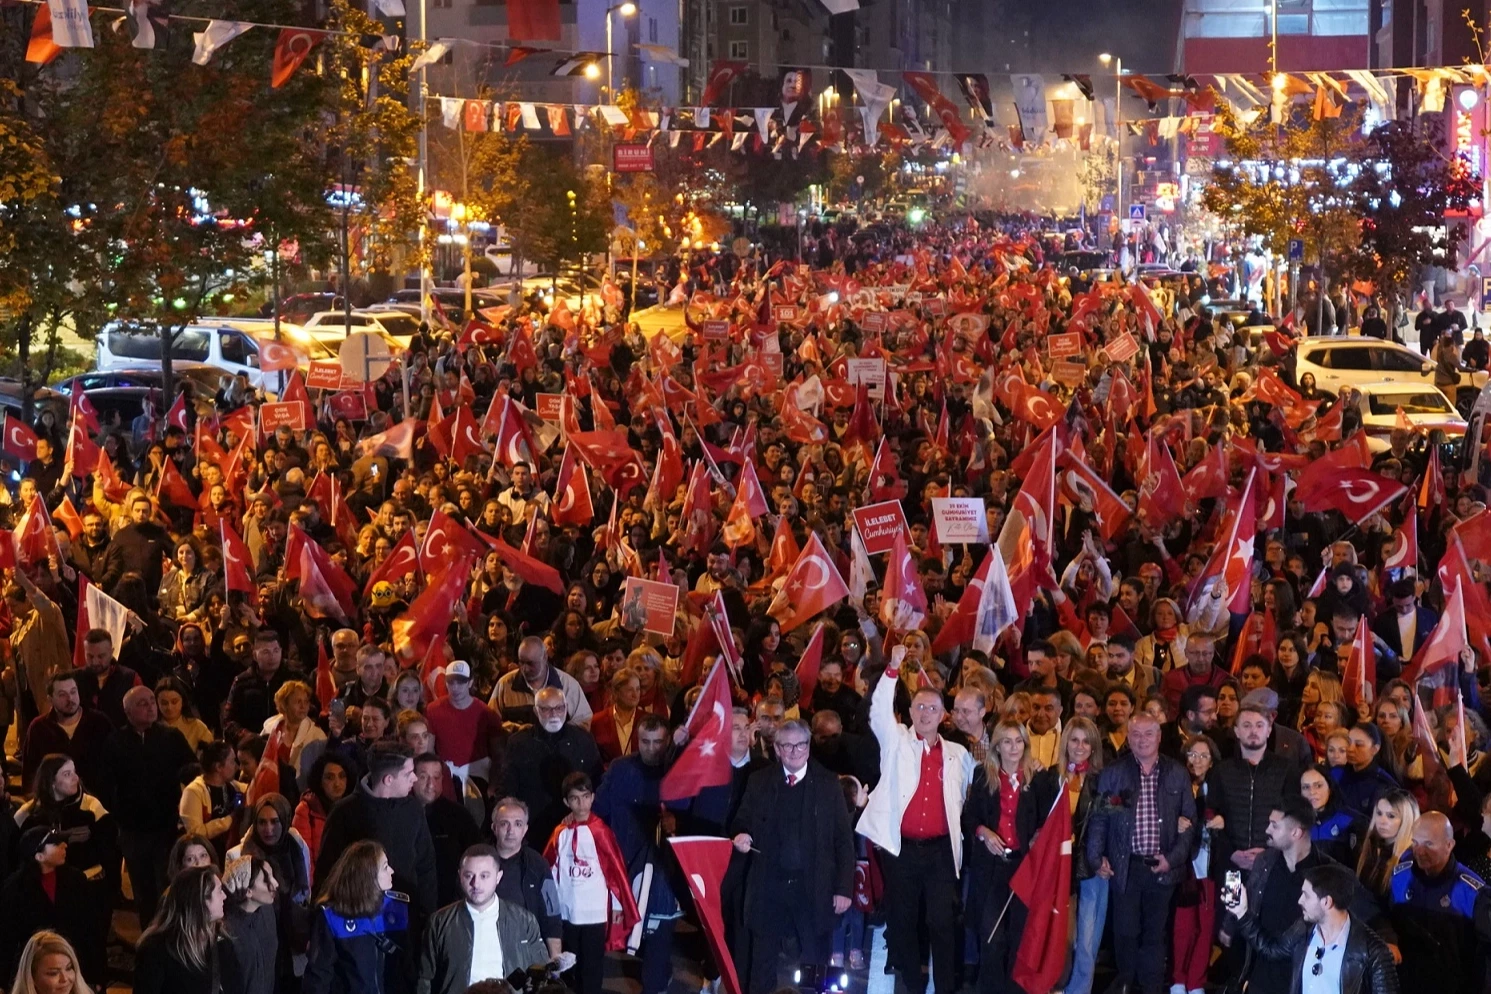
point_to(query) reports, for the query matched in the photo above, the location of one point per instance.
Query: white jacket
(900, 770)
(196, 805)
(309, 744)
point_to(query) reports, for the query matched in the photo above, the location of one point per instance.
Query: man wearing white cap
(468, 734)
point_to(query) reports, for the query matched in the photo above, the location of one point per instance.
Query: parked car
(297, 307)
(208, 379)
(1425, 407)
(1338, 360)
(43, 399)
(572, 289)
(330, 327)
(129, 345)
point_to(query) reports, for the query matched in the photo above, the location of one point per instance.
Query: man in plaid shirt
(1141, 834)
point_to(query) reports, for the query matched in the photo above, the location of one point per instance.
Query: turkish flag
(296, 393)
(670, 458)
(240, 422)
(813, 585)
(1455, 572)
(885, 481)
(273, 357)
(20, 440)
(515, 442)
(430, 615)
(173, 489)
(1231, 561)
(465, 438)
(602, 450)
(80, 403)
(291, 49)
(1356, 493)
(402, 560)
(317, 597)
(808, 665)
(445, 539)
(784, 549)
(68, 515)
(532, 571)
(1442, 648)
(326, 687)
(1271, 513)
(1043, 883)
(1404, 552)
(1026, 541)
(327, 579)
(572, 504)
(176, 416)
(704, 860)
(1033, 405)
(903, 602)
(1082, 485)
(207, 449)
(237, 562)
(705, 759)
(1208, 478)
(1359, 680)
(750, 504)
(267, 776)
(82, 450)
(1162, 495)
(395, 443)
(108, 477)
(1431, 490)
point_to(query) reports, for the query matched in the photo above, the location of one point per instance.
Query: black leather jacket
(1367, 967)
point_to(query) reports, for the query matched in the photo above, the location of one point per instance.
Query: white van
(128, 345)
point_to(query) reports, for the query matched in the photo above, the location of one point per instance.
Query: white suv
(1337, 361)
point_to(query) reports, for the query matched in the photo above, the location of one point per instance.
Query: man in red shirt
(468, 734)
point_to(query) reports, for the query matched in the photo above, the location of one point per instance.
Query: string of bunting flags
(1022, 110)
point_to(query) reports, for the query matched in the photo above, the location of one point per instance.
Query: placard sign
(1068, 343)
(1068, 374)
(960, 519)
(649, 605)
(549, 406)
(937, 306)
(716, 331)
(879, 523)
(324, 376)
(287, 415)
(870, 372)
(968, 325)
(1123, 348)
(773, 363)
(784, 313)
(875, 321)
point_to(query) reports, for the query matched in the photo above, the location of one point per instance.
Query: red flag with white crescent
(813, 585)
(402, 560)
(1404, 552)
(572, 504)
(704, 860)
(903, 602)
(20, 440)
(1359, 680)
(705, 759)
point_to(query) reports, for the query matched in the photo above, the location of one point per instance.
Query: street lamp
(1117, 63)
(625, 9)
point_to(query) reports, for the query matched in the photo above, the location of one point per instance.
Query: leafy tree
(1403, 205)
(568, 215)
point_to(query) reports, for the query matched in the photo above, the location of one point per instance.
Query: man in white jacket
(915, 816)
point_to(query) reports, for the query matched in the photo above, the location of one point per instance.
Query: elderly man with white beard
(540, 756)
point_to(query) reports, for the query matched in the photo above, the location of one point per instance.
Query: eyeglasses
(1319, 965)
(791, 746)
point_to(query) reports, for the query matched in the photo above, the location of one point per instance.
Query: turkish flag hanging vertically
(572, 504)
(172, 488)
(903, 602)
(1443, 646)
(705, 759)
(808, 665)
(430, 614)
(812, 585)
(1360, 679)
(750, 504)
(236, 563)
(1043, 883)
(704, 860)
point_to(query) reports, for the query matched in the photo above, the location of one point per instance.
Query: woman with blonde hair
(996, 845)
(1399, 748)
(1016, 708)
(1079, 759)
(301, 740)
(180, 950)
(49, 966)
(1321, 687)
(1389, 837)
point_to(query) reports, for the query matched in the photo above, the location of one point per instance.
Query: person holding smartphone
(1328, 949)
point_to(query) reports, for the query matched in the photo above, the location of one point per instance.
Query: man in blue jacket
(1139, 837)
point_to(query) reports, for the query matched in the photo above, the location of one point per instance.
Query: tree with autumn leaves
(1367, 207)
(175, 181)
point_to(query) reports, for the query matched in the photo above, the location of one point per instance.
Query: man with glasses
(915, 816)
(794, 828)
(540, 756)
(1329, 950)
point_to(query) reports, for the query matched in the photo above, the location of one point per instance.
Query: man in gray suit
(1140, 836)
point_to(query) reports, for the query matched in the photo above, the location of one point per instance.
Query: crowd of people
(362, 691)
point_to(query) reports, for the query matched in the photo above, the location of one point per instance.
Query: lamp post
(625, 9)
(1117, 63)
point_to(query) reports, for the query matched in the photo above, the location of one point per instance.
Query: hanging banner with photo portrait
(796, 96)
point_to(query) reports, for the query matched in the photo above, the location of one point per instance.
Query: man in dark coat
(452, 829)
(1134, 840)
(538, 759)
(382, 808)
(138, 547)
(794, 827)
